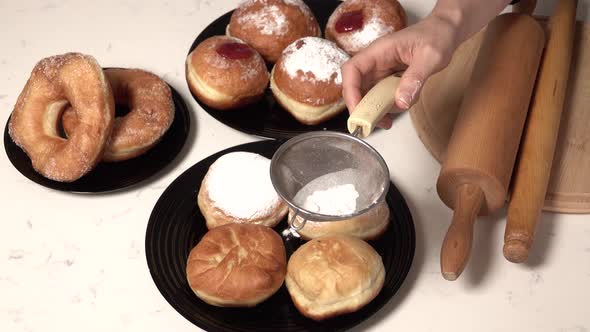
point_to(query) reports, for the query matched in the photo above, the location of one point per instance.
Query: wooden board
(434, 115)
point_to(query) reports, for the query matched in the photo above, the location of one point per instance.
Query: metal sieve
(318, 160)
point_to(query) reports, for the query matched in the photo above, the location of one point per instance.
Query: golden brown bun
(334, 275)
(223, 83)
(270, 25)
(269, 212)
(367, 226)
(380, 17)
(237, 265)
(307, 80)
(151, 112)
(75, 79)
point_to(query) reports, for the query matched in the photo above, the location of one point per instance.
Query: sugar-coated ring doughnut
(151, 112)
(55, 82)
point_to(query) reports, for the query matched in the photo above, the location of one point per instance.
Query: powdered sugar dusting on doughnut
(298, 3)
(249, 66)
(304, 8)
(218, 61)
(239, 184)
(248, 72)
(270, 20)
(372, 30)
(313, 58)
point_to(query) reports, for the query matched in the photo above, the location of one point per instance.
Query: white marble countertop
(77, 263)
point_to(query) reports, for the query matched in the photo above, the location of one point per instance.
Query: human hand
(421, 49)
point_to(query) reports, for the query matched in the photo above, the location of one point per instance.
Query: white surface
(77, 263)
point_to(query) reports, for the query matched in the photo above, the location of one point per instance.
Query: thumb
(413, 79)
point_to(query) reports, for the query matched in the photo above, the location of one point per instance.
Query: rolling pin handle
(456, 247)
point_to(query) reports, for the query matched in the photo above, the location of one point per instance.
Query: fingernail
(406, 98)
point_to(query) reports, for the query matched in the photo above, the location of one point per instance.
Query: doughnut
(270, 25)
(225, 73)
(334, 275)
(237, 189)
(56, 82)
(151, 112)
(237, 265)
(307, 82)
(357, 23)
(367, 226)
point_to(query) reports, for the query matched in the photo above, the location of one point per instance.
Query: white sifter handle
(374, 105)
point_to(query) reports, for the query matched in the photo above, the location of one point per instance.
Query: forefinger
(356, 72)
(351, 84)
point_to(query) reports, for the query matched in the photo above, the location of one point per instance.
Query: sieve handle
(374, 105)
(294, 224)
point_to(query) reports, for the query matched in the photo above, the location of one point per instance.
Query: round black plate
(107, 177)
(176, 225)
(267, 118)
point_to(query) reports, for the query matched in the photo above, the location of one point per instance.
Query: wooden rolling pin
(533, 169)
(480, 157)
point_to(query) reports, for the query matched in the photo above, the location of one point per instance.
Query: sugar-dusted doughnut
(270, 25)
(237, 189)
(307, 80)
(357, 23)
(225, 73)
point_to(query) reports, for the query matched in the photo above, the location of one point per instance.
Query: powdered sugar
(373, 27)
(239, 184)
(338, 200)
(333, 193)
(370, 31)
(249, 72)
(298, 3)
(313, 58)
(269, 20)
(250, 67)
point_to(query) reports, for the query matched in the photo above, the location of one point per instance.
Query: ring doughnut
(151, 113)
(55, 82)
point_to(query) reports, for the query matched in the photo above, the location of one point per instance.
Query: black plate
(176, 225)
(107, 177)
(267, 118)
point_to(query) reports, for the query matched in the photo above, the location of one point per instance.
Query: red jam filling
(234, 51)
(350, 21)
